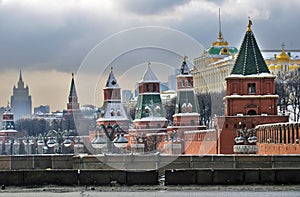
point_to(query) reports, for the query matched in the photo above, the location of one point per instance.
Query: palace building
(283, 62)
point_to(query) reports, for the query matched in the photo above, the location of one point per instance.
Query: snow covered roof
(151, 118)
(259, 75)
(149, 76)
(8, 131)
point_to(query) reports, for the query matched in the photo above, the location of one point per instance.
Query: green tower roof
(250, 60)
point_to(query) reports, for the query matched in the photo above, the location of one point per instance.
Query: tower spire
(73, 99)
(73, 89)
(20, 82)
(20, 77)
(220, 41)
(220, 30)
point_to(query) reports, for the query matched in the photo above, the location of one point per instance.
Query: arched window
(251, 112)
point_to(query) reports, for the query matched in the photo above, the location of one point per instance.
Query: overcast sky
(49, 39)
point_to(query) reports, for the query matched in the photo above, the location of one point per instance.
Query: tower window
(154, 87)
(189, 83)
(182, 82)
(251, 88)
(147, 88)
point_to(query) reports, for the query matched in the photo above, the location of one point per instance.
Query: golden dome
(283, 57)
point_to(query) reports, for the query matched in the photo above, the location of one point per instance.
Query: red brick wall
(243, 103)
(275, 149)
(227, 126)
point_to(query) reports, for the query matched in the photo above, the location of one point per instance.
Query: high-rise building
(21, 101)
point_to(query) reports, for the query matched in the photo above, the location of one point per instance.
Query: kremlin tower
(250, 96)
(149, 123)
(186, 117)
(186, 113)
(7, 131)
(72, 113)
(73, 104)
(112, 108)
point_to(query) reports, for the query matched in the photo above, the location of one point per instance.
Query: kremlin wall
(251, 124)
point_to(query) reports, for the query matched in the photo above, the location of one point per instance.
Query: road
(153, 191)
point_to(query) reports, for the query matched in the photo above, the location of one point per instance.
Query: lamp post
(27, 141)
(41, 147)
(110, 132)
(172, 136)
(59, 136)
(245, 141)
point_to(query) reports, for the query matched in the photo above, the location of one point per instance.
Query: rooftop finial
(72, 75)
(249, 24)
(111, 69)
(149, 64)
(282, 46)
(220, 31)
(185, 58)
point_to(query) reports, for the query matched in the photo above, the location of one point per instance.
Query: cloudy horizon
(49, 39)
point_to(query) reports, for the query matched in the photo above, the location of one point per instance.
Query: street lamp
(59, 136)
(110, 131)
(98, 142)
(28, 145)
(120, 141)
(172, 136)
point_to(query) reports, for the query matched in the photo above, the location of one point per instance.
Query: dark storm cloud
(37, 36)
(146, 7)
(32, 42)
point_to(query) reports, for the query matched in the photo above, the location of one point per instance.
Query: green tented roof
(152, 102)
(250, 60)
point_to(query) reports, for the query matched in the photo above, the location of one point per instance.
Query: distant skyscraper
(21, 101)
